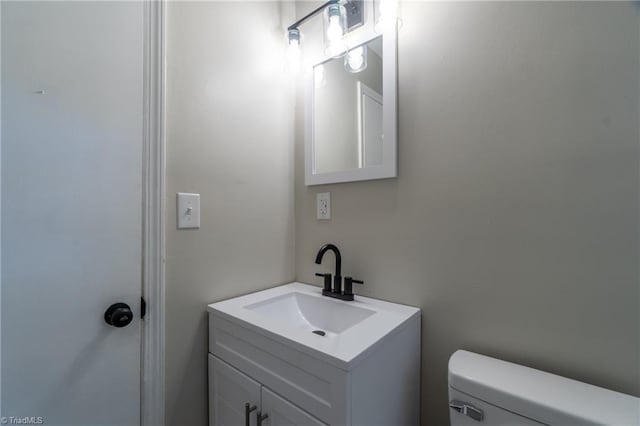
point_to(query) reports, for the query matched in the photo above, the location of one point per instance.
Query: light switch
(188, 210)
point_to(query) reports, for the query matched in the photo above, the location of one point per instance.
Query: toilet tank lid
(541, 396)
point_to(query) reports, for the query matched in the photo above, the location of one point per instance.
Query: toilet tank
(484, 390)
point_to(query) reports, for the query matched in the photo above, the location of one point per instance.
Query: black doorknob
(118, 315)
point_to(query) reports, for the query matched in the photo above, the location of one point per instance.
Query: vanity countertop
(291, 313)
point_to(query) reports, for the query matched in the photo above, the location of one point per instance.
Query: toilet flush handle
(467, 409)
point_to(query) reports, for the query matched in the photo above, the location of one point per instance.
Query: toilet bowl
(484, 390)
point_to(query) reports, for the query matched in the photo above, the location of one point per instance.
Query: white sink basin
(291, 313)
(312, 313)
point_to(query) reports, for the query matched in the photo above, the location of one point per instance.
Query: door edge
(152, 391)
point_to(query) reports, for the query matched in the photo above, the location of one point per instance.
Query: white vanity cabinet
(295, 377)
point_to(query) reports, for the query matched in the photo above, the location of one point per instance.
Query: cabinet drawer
(305, 381)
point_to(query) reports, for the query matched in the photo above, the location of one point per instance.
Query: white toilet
(489, 391)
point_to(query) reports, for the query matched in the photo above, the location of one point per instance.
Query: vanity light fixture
(337, 22)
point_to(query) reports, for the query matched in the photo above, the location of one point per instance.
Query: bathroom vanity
(289, 355)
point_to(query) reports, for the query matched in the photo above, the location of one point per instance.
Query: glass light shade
(356, 59)
(335, 22)
(294, 54)
(386, 15)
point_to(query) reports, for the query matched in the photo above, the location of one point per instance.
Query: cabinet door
(283, 413)
(229, 391)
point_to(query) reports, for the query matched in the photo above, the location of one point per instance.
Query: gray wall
(229, 138)
(514, 222)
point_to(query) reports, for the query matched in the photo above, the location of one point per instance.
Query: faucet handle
(348, 285)
(327, 281)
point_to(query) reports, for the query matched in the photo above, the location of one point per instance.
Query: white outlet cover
(323, 206)
(188, 210)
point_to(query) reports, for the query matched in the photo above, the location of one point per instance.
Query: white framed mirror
(351, 116)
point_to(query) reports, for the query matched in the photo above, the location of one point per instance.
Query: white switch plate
(188, 210)
(323, 205)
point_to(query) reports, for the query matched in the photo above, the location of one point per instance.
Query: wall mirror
(350, 113)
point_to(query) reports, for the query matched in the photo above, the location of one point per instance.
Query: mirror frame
(389, 167)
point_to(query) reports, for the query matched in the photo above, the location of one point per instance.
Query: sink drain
(319, 332)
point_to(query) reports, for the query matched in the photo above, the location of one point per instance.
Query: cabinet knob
(248, 408)
(261, 418)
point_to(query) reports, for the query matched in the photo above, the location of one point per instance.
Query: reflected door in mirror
(347, 112)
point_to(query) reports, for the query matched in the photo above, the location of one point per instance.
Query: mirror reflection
(347, 110)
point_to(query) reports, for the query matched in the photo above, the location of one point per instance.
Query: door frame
(153, 221)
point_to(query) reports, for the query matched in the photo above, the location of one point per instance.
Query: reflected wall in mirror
(347, 110)
(351, 114)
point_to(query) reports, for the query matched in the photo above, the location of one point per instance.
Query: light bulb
(334, 28)
(355, 59)
(294, 53)
(388, 8)
(334, 31)
(388, 14)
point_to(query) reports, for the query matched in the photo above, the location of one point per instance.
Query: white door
(281, 412)
(72, 105)
(371, 134)
(229, 392)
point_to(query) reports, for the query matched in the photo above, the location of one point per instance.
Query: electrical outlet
(323, 205)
